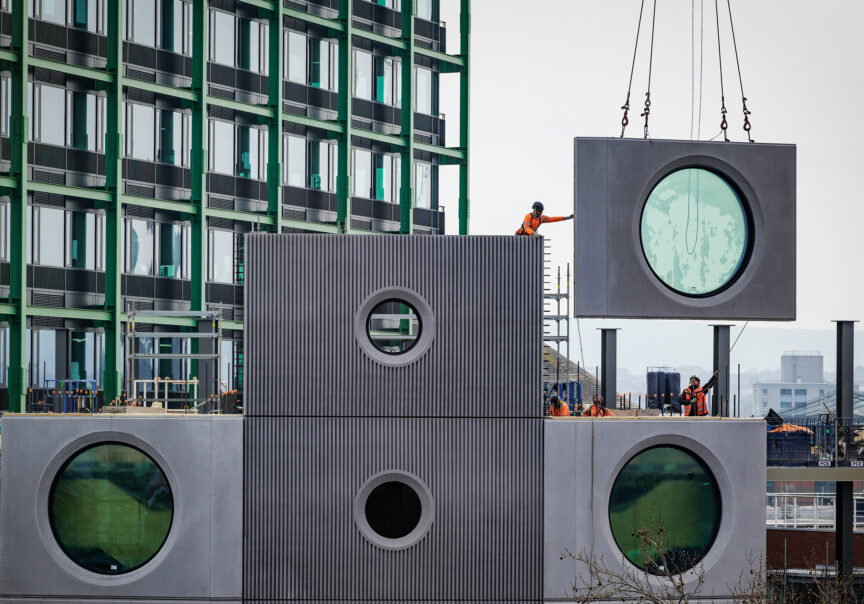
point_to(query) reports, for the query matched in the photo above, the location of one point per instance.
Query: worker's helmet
(537, 206)
(695, 377)
(553, 398)
(598, 399)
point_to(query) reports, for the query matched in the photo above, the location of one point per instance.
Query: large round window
(394, 510)
(111, 508)
(695, 232)
(394, 326)
(664, 510)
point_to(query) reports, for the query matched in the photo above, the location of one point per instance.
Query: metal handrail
(808, 510)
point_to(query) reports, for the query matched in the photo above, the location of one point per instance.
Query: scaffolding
(114, 78)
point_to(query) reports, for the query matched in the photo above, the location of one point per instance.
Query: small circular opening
(111, 508)
(393, 510)
(394, 326)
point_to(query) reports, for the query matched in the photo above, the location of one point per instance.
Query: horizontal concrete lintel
(832, 474)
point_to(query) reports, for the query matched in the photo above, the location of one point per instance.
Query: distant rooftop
(802, 353)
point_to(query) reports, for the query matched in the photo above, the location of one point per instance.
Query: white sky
(546, 72)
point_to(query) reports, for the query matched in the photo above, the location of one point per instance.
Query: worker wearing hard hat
(556, 407)
(597, 408)
(693, 397)
(532, 221)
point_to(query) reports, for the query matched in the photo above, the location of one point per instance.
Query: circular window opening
(664, 510)
(393, 510)
(696, 232)
(394, 326)
(111, 508)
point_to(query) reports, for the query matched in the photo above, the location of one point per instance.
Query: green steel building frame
(16, 184)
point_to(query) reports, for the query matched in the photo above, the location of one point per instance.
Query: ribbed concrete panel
(303, 474)
(304, 292)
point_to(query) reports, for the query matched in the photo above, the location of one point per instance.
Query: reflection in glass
(111, 508)
(142, 132)
(222, 147)
(423, 184)
(170, 250)
(144, 367)
(144, 22)
(296, 57)
(82, 355)
(83, 248)
(424, 9)
(171, 137)
(384, 80)
(223, 38)
(394, 326)
(694, 231)
(45, 346)
(319, 63)
(140, 247)
(51, 237)
(54, 11)
(319, 177)
(670, 495)
(383, 177)
(363, 75)
(222, 253)
(362, 173)
(296, 164)
(52, 115)
(423, 80)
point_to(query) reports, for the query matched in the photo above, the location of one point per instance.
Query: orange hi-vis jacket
(597, 411)
(562, 410)
(531, 223)
(695, 396)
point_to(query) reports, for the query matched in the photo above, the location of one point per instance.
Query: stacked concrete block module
(455, 419)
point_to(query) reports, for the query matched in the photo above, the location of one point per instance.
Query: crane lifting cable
(646, 112)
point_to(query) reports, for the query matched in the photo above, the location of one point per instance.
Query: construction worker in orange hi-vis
(556, 407)
(597, 408)
(532, 221)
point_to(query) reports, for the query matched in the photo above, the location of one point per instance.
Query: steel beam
(199, 155)
(406, 189)
(464, 117)
(18, 379)
(720, 396)
(113, 376)
(345, 86)
(259, 110)
(609, 366)
(844, 504)
(274, 131)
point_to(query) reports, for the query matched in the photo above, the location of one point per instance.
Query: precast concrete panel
(614, 179)
(585, 456)
(201, 558)
(304, 537)
(480, 305)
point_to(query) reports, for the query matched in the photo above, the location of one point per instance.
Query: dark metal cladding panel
(302, 475)
(304, 292)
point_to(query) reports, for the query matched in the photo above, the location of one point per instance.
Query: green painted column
(406, 178)
(343, 184)
(274, 134)
(112, 379)
(199, 154)
(464, 116)
(17, 379)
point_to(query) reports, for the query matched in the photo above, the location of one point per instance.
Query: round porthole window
(664, 510)
(111, 508)
(394, 510)
(695, 232)
(394, 326)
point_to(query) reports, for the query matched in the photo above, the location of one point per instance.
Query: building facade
(801, 382)
(141, 139)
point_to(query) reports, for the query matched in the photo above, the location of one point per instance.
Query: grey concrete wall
(304, 332)
(583, 459)
(613, 179)
(202, 457)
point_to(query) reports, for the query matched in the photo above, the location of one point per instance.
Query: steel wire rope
(723, 123)
(626, 106)
(746, 111)
(647, 111)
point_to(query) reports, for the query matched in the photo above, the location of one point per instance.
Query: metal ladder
(239, 307)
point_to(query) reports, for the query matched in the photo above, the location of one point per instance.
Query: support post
(720, 397)
(274, 132)
(609, 366)
(406, 188)
(844, 503)
(112, 378)
(199, 155)
(464, 115)
(343, 183)
(18, 379)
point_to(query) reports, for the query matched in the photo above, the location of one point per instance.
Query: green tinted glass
(664, 510)
(111, 508)
(694, 231)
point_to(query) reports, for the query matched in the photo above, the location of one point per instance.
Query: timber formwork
(111, 198)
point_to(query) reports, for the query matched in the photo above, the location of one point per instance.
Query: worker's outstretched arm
(710, 383)
(556, 218)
